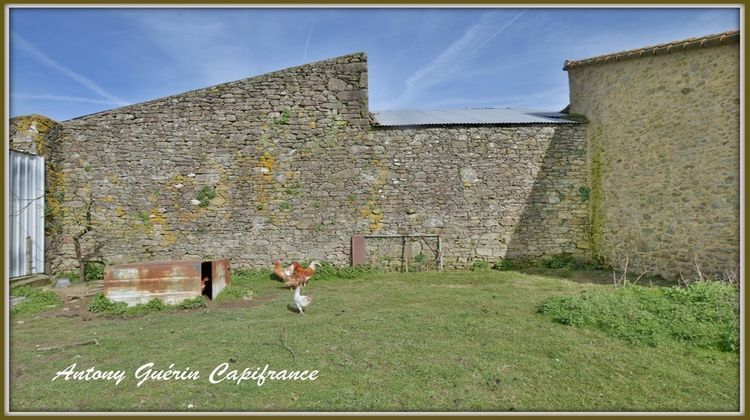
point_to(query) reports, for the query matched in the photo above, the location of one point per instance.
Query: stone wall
(286, 165)
(39, 135)
(492, 192)
(664, 158)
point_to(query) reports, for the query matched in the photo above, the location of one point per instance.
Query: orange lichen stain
(383, 176)
(108, 199)
(157, 217)
(267, 161)
(168, 239)
(187, 217)
(38, 126)
(312, 124)
(374, 214)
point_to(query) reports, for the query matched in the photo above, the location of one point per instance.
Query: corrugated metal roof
(466, 116)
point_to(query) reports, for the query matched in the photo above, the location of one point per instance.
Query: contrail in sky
(489, 39)
(309, 35)
(64, 98)
(33, 51)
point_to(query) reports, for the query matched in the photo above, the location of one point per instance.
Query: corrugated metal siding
(26, 214)
(170, 281)
(467, 116)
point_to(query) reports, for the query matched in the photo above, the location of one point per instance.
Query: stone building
(664, 153)
(292, 165)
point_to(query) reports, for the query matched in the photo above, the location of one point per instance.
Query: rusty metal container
(170, 281)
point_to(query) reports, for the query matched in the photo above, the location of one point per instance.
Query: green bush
(100, 303)
(37, 300)
(94, 271)
(704, 314)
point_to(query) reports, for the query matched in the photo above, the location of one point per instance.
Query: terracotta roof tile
(704, 41)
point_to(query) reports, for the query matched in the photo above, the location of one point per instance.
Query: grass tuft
(244, 284)
(101, 304)
(704, 314)
(37, 300)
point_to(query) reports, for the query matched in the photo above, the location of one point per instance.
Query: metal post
(29, 255)
(407, 255)
(403, 253)
(440, 253)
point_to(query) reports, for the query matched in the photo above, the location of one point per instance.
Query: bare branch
(27, 205)
(639, 277)
(697, 268)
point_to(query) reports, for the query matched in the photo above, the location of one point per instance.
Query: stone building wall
(39, 135)
(664, 158)
(286, 165)
(491, 192)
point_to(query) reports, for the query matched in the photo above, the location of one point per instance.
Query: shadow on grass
(593, 276)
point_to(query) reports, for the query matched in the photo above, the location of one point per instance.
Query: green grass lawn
(457, 341)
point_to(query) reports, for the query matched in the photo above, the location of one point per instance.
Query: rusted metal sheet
(358, 250)
(220, 277)
(170, 281)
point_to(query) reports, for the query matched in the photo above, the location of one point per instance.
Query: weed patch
(328, 271)
(37, 300)
(194, 303)
(243, 285)
(479, 265)
(555, 262)
(94, 271)
(205, 195)
(704, 314)
(101, 304)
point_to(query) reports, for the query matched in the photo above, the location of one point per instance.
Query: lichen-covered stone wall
(664, 158)
(39, 135)
(286, 165)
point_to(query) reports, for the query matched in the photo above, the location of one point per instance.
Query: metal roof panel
(410, 117)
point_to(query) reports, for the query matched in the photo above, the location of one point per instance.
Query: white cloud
(202, 44)
(31, 50)
(66, 98)
(439, 69)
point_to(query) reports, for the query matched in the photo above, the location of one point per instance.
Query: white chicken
(301, 301)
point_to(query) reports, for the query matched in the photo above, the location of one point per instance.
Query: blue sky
(71, 62)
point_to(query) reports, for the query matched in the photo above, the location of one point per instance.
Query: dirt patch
(77, 298)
